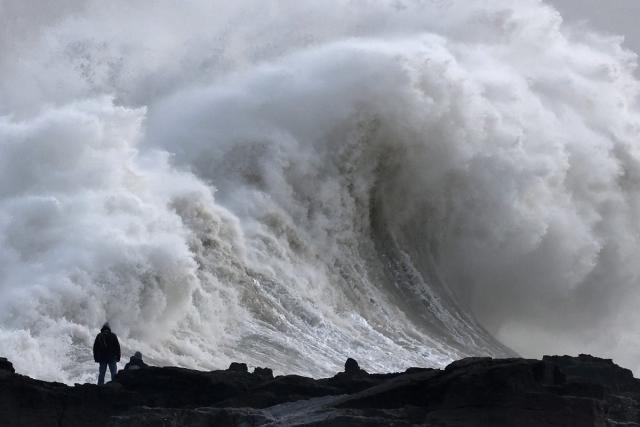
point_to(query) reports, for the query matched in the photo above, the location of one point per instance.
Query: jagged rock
(238, 367)
(263, 373)
(553, 392)
(499, 391)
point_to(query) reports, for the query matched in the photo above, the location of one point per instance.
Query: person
(135, 362)
(106, 352)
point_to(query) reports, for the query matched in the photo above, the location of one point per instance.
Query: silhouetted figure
(106, 352)
(135, 362)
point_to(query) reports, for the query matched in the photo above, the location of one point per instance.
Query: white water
(291, 183)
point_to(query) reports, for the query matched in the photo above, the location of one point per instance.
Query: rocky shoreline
(555, 391)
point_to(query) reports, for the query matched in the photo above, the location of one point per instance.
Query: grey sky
(615, 16)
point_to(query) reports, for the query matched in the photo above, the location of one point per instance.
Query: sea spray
(292, 183)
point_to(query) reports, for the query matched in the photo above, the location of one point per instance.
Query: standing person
(106, 352)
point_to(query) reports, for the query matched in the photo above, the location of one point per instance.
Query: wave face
(290, 183)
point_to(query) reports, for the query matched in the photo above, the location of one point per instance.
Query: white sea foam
(291, 183)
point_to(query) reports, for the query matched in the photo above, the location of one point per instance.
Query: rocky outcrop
(554, 391)
(6, 366)
(352, 368)
(264, 373)
(238, 367)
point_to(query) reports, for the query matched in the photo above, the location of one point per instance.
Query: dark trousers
(113, 369)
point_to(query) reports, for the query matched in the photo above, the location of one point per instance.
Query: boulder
(238, 367)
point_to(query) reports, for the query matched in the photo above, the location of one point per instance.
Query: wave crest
(381, 181)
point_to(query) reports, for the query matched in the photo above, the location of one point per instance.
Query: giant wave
(290, 183)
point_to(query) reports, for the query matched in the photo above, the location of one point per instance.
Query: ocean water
(291, 183)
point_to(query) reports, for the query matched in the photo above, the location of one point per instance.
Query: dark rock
(6, 366)
(467, 362)
(553, 392)
(263, 373)
(482, 391)
(205, 417)
(355, 382)
(238, 367)
(351, 367)
(187, 387)
(287, 388)
(354, 379)
(416, 370)
(589, 369)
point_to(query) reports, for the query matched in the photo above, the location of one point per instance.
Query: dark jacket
(106, 347)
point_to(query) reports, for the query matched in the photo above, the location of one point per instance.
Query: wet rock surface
(555, 391)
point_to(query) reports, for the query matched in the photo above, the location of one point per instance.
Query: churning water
(289, 183)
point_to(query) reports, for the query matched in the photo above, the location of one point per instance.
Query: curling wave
(399, 182)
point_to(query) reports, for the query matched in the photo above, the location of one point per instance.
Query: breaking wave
(289, 184)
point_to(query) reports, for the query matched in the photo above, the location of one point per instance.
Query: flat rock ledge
(555, 391)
